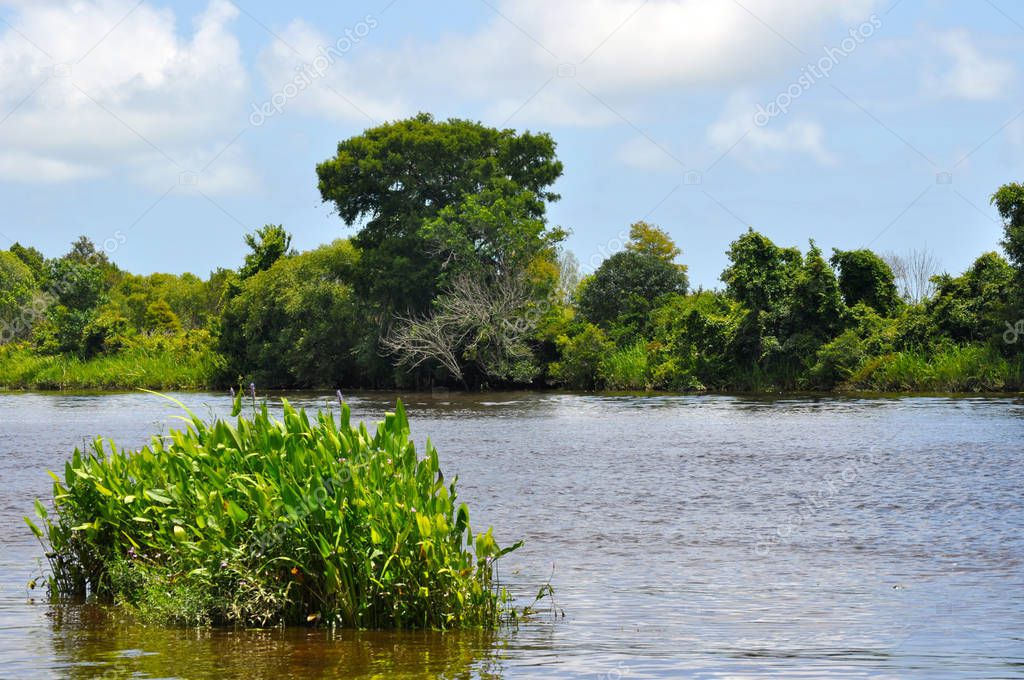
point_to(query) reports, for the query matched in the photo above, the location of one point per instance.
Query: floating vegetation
(260, 521)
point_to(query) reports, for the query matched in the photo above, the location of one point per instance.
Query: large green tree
(866, 277)
(499, 264)
(760, 274)
(77, 284)
(816, 310)
(494, 232)
(395, 177)
(1009, 201)
(627, 286)
(267, 245)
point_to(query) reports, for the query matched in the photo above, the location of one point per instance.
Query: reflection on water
(688, 536)
(87, 643)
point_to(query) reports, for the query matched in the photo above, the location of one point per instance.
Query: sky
(164, 130)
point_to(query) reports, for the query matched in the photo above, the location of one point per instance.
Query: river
(706, 537)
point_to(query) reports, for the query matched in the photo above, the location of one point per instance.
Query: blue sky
(168, 129)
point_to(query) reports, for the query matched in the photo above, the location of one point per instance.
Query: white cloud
(618, 49)
(735, 132)
(19, 166)
(309, 72)
(972, 75)
(101, 86)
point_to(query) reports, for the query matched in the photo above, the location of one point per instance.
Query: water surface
(711, 537)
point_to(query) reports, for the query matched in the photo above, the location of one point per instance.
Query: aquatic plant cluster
(295, 521)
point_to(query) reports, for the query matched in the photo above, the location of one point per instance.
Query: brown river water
(704, 537)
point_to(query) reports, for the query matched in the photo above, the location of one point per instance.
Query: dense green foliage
(399, 176)
(865, 277)
(265, 521)
(16, 285)
(295, 324)
(454, 276)
(267, 245)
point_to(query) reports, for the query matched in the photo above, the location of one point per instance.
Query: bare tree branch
(479, 320)
(913, 273)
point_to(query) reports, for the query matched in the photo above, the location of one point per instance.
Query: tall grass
(263, 521)
(21, 368)
(626, 368)
(970, 368)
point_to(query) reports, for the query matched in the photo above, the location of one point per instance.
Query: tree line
(455, 277)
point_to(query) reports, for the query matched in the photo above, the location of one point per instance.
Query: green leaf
(237, 513)
(158, 497)
(33, 527)
(505, 551)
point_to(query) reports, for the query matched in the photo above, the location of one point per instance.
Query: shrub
(693, 335)
(837, 360)
(266, 521)
(296, 324)
(581, 357)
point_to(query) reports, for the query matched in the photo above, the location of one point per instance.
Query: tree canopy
(760, 274)
(395, 177)
(1009, 201)
(454, 276)
(268, 244)
(629, 283)
(866, 277)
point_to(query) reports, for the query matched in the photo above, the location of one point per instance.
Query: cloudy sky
(168, 129)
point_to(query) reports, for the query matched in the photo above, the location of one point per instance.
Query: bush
(581, 357)
(837, 360)
(296, 324)
(267, 522)
(693, 340)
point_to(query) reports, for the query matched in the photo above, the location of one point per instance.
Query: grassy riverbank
(955, 369)
(150, 368)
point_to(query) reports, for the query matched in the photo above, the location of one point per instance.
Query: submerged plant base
(267, 522)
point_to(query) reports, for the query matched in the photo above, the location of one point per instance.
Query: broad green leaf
(33, 527)
(158, 497)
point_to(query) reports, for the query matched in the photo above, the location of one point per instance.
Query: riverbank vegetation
(454, 277)
(295, 521)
